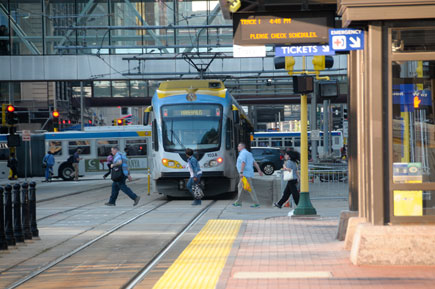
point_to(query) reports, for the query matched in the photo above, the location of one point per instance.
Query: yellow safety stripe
(201, 263)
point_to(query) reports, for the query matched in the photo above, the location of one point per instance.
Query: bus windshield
(195, 126)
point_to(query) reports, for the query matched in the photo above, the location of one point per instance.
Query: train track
(150, 265)
(145, 269)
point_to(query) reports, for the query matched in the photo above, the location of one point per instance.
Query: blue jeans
(191, 181)
(116, 186)
(48, 172)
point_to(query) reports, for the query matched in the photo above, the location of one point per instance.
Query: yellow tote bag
(246, 185)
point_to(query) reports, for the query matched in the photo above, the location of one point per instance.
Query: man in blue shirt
(120, 159)
(48, 162)
(245, 167)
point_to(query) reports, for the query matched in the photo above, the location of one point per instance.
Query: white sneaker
(291, 213)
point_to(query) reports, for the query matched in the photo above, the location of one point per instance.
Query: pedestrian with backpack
(120, 173)
(195, 175)
(48, 163)
(75, 162)
(109, 161)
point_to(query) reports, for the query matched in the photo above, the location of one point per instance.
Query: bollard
(32, 201)
(3, 242)
(9, 231)
(18, 226)
(25, 211)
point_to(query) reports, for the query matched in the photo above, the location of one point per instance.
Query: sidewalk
(295, 253)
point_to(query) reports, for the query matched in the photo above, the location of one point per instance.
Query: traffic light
(287, 62)
(321, 62)
(11, 115)
(55, 115)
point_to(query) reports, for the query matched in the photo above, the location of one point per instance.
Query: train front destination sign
(285, 29)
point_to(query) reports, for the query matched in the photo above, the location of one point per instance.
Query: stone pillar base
(350, 232)
(342, 225)
(393, 245)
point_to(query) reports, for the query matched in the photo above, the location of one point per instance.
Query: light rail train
(95, 144)
(201, 115)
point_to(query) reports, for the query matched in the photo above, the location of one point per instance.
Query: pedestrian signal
(321, 62)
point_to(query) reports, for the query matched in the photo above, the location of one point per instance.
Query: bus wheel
(66, 172)
(268, 169)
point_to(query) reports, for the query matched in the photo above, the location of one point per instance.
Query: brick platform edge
(393, 245)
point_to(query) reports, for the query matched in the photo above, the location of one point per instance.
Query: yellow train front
(203, 116)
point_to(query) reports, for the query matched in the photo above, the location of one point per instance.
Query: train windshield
(195, 126)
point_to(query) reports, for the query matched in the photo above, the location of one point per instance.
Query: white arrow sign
(356, 42)
(325, 48)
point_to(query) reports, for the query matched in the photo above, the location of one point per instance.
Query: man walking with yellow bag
(245, 167)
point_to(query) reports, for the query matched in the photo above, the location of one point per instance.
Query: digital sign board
(283, 28)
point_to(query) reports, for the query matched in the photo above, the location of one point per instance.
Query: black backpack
(70, 159)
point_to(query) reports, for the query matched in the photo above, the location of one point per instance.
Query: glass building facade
(74, 27)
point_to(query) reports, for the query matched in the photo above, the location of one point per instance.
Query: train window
(336, 140)
(4, 154)
(55, 147)
(288, 142)
(136, 147)
(297, 142)
(83, 145)
(104, 147)
(263, 142)
(229, 134)
(276, 142)
(155, 136)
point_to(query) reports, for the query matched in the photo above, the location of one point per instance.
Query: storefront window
(413, 135)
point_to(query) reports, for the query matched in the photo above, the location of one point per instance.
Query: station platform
(281, 252)
(229, 247)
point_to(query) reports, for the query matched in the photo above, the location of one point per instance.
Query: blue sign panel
(346, 39)
(411, 98)
(303, 50)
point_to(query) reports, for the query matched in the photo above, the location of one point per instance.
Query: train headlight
(215, 162)
(171, 164)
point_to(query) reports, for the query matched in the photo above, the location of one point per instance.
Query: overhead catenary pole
(81, 107)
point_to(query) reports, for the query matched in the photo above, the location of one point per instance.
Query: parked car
(269, 159)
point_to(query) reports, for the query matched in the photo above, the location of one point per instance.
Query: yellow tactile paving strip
(201, 263)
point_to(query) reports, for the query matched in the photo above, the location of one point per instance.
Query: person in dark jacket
(195, 174)
(13, 166)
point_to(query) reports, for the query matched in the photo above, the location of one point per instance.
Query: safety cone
(287, 204)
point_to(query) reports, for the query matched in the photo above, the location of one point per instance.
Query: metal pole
(325, 128)
(26, 149)
(11, 93)
(81, 107)
(304, 207)
(3, 242)
(313, 122)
